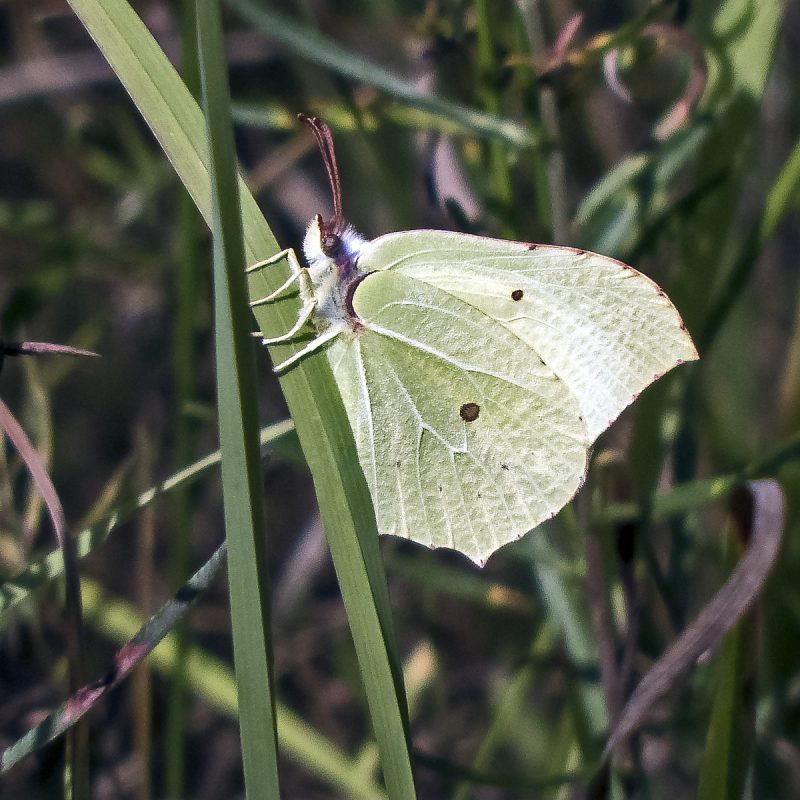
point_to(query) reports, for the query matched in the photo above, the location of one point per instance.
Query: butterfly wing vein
(545, 346)
(436, 477)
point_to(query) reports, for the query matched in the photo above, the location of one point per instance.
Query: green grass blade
(562, 594)
(242, 479)
(309, 389)
(188, 288)
(729, 737)
(733, 97)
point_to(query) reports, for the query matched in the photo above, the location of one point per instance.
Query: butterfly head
(331, 250)
(331, 247)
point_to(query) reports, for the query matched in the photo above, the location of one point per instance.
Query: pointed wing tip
(690, 352)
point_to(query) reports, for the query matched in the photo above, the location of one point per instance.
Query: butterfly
(476, 373)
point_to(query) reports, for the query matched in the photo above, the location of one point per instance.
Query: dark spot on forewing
(504, 466)
(469, 412)
(517, 294)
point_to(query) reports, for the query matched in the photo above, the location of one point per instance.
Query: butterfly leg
(306, 312)
(329, 334)
(305, 315)
(297, 274)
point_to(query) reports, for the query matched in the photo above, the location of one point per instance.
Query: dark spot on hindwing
(517, 294)
(469, 412)
(504, 466)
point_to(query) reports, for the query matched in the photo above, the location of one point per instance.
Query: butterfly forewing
(467, 439)
(606, 330)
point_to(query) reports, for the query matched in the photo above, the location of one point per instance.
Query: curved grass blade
(76, 783)
(212, 680)
(723, 611)
(73, 709)
(207, 676)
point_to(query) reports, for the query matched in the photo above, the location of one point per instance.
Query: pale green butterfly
(476, 372)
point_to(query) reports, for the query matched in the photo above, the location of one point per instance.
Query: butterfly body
(477, 372)
(332, 259)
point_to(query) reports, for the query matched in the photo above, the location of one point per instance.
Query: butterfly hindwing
(467, 439)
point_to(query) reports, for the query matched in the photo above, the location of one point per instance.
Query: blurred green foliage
(528, 137)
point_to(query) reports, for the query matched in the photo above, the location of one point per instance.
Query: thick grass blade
(188, 287)
(309, 389)
(242, 479)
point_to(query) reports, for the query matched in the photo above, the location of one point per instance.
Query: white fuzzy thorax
(330, 287)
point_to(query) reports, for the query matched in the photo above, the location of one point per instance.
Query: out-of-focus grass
(517, 698)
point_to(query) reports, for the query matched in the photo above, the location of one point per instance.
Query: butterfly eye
(331, 243)
(469, 412)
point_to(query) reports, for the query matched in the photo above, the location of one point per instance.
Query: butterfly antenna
(322, 133)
